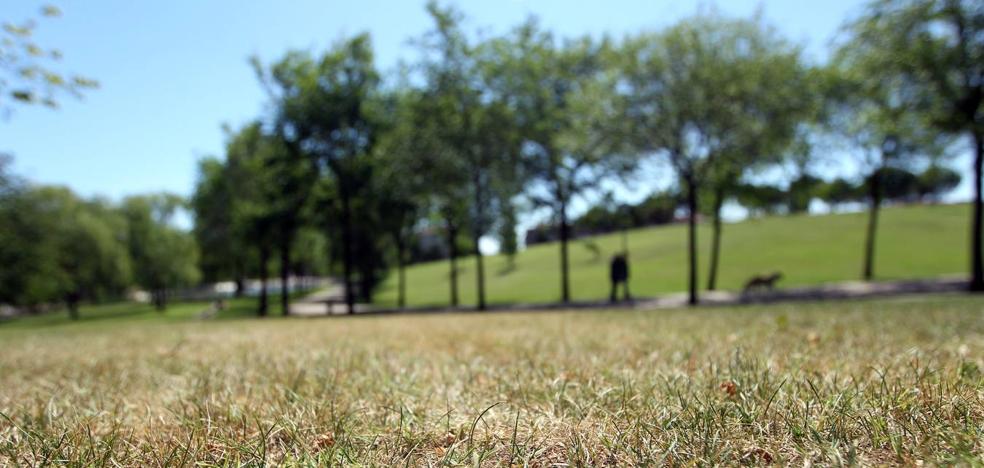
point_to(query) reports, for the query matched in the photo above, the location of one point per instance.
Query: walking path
(318, 303)
(327, 301)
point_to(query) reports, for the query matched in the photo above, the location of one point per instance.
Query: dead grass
(879, 382)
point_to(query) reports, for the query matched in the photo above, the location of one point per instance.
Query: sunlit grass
(913, 242)
(871, 382)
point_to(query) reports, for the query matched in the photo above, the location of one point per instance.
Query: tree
(714, 97)
(801, 154)
(935, 181)
(470, 123)
(936, 47)
(93, 259)
(56, 247)
(402, 184)
(253, 215)
(163, 256)
(248, 205)
(324, 109)
(289, 180)
(774, 95)
(898, 184)
(26, 72)
(448, 191)
(213, 204)
(761, 199)
(840, 191)
(878, 124)
(567, 114)
(508, 240)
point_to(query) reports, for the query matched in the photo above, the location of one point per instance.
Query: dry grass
(888, 382)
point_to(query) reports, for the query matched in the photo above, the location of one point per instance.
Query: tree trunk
(565, 284)
(453, 257)
(692, 240)
(479, 261)
(401, 298)
(264, 257)
(160, 299)
(874, 200)
(480, 275)
(977, 268)
(366, 280)
(72, 301)
(716, 240)
(240, 280)
(347, 249)
(285, 276)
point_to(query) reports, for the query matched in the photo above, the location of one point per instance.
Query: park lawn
(894, 381)
(111, 314)
(913, 242)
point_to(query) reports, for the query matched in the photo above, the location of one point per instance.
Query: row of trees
(897, 185)
(455, 140)
(57, 248)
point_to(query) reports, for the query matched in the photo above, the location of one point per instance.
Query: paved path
(315, 306)
(327, 301)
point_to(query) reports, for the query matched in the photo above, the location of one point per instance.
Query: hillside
(913, 242)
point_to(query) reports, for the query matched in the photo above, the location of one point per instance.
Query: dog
(761, 283)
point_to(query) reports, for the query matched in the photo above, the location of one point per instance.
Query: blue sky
(173, 72)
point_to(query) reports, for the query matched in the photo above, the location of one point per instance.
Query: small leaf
(51, 11)
(28, 73)
(24, 96)
(83, 82)
(54, 79)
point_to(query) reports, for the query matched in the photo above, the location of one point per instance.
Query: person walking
(619, 273)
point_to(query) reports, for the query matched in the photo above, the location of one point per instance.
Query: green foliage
(328, 112)
(163, 256)
(801, 191)
(28, 72)
(935, 48)
(936, 181)
(56, 247)
(870, 110)
(213, 210)
(717, 98)
(508, 239)
(607, 216)
(840, 191)
(898, 184)
(710, 89)
(761, 199)
(477, 121)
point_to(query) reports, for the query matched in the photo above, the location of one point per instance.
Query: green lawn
(887, 382)
(108, 315)
(913, 242)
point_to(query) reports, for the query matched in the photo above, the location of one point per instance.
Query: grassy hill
(913, 242)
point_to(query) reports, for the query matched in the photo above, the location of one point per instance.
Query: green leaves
(163, 256)
(55, 245)
(26, 72)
